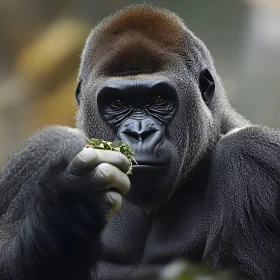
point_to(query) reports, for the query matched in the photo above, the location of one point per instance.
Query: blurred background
(41, 40)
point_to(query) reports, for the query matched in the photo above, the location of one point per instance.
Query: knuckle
(81, 160)
(113, 198)
(121, 158)
(98, 153)
(124, 185)
(86, 156)
(106, 172)
(127, 185)
(114, 201)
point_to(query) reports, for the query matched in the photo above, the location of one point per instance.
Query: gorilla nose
(134, 130)
(142, 135)
(139, 136)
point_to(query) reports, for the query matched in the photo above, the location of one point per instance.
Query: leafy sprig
(121, 147)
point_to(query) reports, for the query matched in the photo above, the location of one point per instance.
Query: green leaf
(94, 141)
(121, 147)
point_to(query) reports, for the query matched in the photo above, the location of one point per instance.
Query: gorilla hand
(52, 215)
(101, 170)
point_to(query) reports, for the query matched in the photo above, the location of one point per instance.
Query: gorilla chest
(134, 238)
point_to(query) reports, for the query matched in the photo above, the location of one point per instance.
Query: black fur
(47, 233)
(243, 203)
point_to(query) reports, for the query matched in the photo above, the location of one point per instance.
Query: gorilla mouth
(144, 161)
(153, 166)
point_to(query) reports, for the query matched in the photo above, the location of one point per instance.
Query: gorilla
(206, 187)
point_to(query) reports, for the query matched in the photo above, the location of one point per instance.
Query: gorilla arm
(53, 208)
(243, 199)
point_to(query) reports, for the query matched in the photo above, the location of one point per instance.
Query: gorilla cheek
(91, 124)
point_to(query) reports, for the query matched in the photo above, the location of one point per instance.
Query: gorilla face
(145, 82)
(139, 110)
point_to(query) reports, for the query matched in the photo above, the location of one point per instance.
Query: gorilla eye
(117, 102)
(159, 99)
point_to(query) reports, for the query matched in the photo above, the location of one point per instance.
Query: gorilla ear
(207, 86)
(78, 92)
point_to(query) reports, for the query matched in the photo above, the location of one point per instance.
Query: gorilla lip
(150, 162)
(147, 165)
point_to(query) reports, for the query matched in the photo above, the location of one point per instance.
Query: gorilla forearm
(243, 201)
(47, 234)
(47, 245)
(46, 149)
(56, 205)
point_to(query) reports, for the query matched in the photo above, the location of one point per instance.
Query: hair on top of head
(137, 37)
(160, 24)
(141, 39)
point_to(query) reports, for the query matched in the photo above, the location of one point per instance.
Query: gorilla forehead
(140, 37)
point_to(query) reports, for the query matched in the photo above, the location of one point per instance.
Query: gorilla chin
(151, 180)
(150, 186)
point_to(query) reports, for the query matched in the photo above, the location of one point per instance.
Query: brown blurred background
(41, 40)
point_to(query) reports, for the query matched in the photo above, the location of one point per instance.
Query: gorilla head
(147, 80)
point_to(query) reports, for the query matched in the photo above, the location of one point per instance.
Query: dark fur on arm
(45, 233)
(244, 203)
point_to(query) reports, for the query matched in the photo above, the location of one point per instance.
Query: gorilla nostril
(145, 135)
(132, 135)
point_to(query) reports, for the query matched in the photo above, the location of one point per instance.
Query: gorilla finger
(114, 201)
(89, 158)
(107, 176)
(115, 158)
